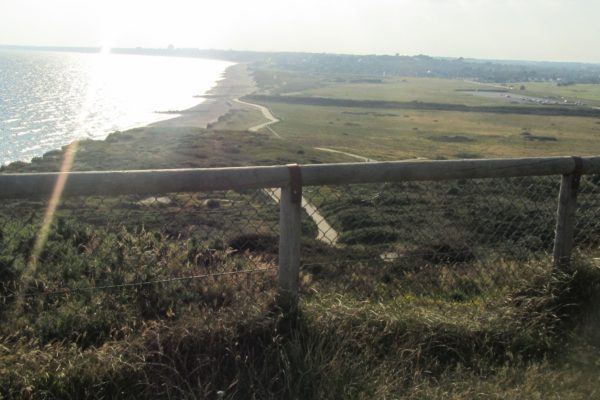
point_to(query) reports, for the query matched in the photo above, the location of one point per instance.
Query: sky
(551, 30)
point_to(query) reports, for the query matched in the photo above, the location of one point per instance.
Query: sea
(49, 99)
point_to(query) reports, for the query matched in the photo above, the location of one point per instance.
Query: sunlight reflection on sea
(49, 99)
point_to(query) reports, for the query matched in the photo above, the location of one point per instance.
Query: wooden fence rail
(291, 178)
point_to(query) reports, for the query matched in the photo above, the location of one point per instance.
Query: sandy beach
(237, 82)
(151, 144)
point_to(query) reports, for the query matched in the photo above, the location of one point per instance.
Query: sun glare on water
(67, 164)
(121, 92)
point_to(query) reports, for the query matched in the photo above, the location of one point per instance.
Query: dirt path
(325, 232)
(362, 158)
(272, 120)
(266, 113)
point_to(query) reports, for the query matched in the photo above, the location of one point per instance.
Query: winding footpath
(361, 158)
(266, 113)
(325, 232)
(272, 120)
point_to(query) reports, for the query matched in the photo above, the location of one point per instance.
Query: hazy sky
(559, 30)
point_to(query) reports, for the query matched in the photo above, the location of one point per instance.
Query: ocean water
(49, 99)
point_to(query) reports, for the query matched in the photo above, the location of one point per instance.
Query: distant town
(562, 73)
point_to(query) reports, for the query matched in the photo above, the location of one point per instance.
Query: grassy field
(445, 328)
(587, 93)
(439, 90)
(362, 333)
(241, 118)
(399, 134)
(185, 147)
(433, 90)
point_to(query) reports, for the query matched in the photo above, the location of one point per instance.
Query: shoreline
(236, 82)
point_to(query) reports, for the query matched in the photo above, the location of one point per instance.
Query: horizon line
(173, 48)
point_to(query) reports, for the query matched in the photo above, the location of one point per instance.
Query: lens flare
(61, 181)
(53, 202)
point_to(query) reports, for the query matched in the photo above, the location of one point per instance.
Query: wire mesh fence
(453, 229)
(443, 221)
(587, 218)
(133, 258)
(158, 251)
(189, 269)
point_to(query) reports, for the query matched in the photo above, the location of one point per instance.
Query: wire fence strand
(466, 235)
(66, 291)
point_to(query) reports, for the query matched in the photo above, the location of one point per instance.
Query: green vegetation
(406, 117)
(360, 332)
(431, 90)
(418, 105)
(437, 90)
(587, 93)
(239, 119)
(466, 305)
(511, 213)
(186, 147)
(375, 133)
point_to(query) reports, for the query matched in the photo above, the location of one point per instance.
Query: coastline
(236, 82)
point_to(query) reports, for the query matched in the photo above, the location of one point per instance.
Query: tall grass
(359, 333)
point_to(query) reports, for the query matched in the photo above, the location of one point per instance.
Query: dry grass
(360, 332)
(360, 335)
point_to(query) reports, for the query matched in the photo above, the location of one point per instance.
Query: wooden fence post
(290, 212)
(565, 217)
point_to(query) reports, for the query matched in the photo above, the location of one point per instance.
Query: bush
(254, 242)
(372, 235)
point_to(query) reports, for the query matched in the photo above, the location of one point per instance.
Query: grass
(358, 334)
(433, 90)
(587, 93)
(389, 134)
(277, 81)
(375, 133)
(187, 147)
(436, 323)
(239, 119)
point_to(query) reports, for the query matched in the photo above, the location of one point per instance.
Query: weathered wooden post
(565, 216)
(290, 212)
